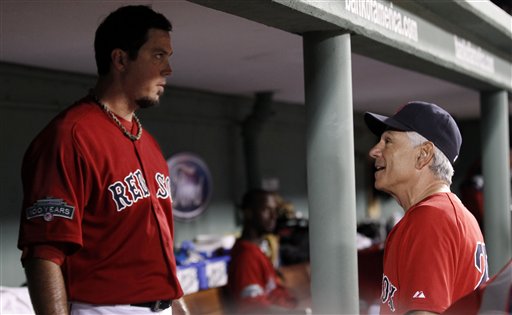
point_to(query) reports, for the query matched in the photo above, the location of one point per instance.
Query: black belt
(155, 306)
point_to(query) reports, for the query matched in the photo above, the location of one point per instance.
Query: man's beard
(146, 102)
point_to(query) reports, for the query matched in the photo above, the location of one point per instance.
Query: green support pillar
(251, 128)
(496, 172)
(331, 173)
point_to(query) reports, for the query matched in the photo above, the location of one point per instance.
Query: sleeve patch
(48, 208)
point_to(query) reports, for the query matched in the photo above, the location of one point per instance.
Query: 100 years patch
(49, 208)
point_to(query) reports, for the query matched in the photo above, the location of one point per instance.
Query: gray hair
(441, 166)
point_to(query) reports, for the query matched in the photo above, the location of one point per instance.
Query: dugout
(461, 41)
(464, 42)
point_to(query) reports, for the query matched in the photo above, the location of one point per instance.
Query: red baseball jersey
(107, 199)
(253, 281)
(433, 256)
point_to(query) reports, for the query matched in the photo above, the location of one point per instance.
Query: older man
(436, 253)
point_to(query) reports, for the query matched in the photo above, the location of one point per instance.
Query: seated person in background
(253, 284)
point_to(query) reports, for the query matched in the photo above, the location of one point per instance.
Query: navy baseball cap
(429, 120)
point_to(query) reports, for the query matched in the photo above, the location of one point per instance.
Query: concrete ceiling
(215, 52)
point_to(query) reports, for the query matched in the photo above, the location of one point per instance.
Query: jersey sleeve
(54, 177)
(53, 253)
(255, 284)
(427, 262)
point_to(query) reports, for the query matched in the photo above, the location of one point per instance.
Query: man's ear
(425, 155)
(119, 59)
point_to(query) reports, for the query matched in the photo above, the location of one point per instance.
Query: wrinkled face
(395, 159)
(144, 78)
(266, 215)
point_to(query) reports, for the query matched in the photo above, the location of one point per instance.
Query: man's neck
(114, 98)
(252, 236)
(419, 194)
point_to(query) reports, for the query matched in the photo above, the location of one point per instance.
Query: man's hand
(179, 307)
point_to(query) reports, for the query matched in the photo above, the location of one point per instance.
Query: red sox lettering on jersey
(133, 188)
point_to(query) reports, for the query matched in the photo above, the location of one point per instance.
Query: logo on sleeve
(49, 208)
(419, 295)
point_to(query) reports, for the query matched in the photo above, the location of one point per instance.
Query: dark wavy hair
(127, 29)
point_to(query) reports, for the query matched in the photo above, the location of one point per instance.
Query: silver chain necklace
(118, 123)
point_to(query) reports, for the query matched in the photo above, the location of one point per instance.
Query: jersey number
(388, 291)
(481, 263)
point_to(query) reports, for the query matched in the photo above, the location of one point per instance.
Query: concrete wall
(203, 123)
